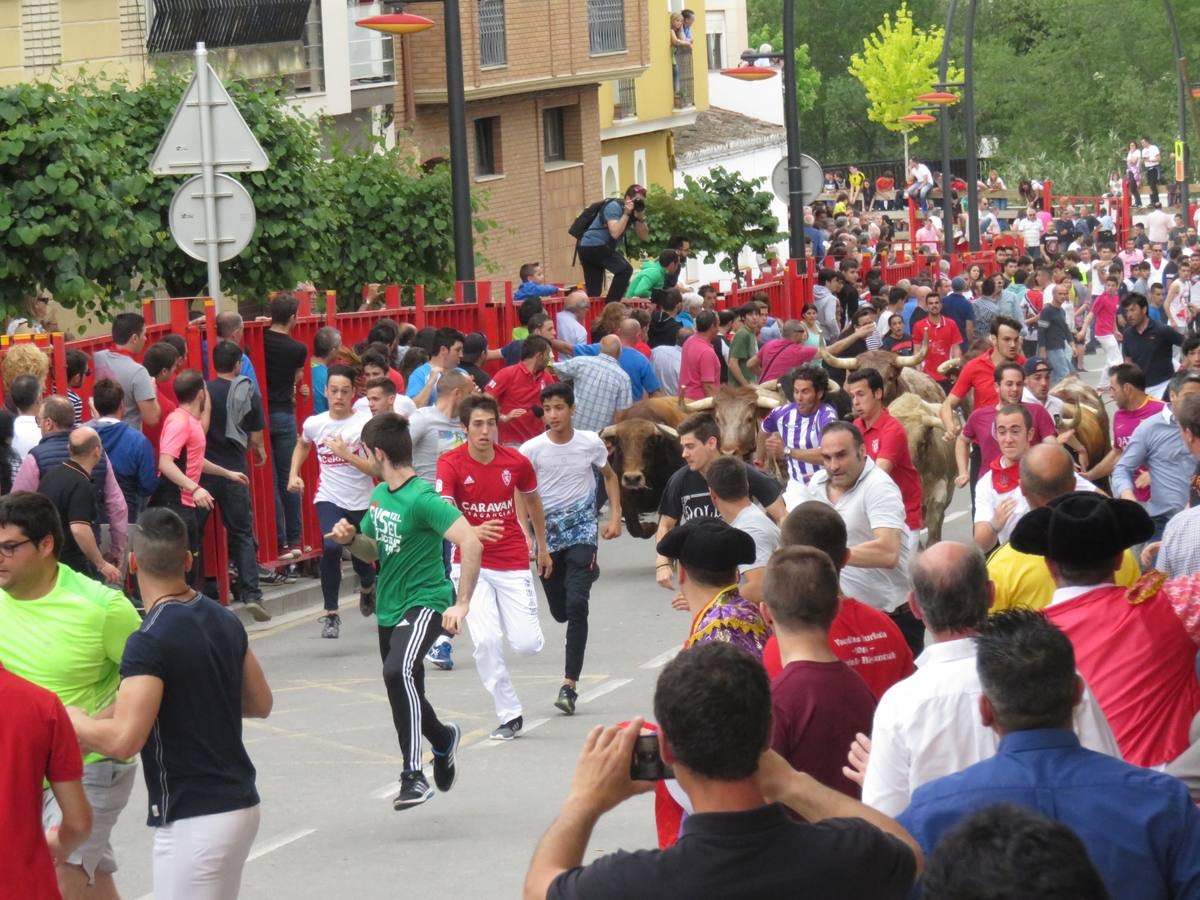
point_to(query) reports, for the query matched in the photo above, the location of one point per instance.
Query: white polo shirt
(873, 502)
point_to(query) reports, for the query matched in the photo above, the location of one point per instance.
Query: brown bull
(899, 373)
(655, 409)
(644, 453)
(739, 411)
(1084, 411)
(933, 456)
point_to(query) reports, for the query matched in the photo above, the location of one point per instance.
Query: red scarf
(1005, 478)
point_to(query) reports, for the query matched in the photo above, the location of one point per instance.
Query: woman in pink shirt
(1104, 315)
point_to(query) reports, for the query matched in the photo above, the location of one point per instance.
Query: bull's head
(627, 446)
(738, 412)
(852, 363)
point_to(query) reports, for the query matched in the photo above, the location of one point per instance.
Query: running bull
(644, 452)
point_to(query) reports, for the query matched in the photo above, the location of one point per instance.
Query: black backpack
(584, 220)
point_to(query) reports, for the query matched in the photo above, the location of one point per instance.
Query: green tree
(898, 62)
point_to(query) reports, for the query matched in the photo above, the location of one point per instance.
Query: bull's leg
(634, 524)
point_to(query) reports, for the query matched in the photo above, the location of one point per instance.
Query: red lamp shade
(918, 118)
(750, 73)
(939, 98)
(1196, 92)
(396, 23)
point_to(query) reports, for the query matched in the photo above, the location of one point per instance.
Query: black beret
(1081, 528)
(708, 543)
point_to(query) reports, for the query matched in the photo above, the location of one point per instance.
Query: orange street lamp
(918, 119)
(750, 73)
(938, 98)
(396, 23)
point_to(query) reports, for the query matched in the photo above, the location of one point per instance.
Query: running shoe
(257, 611)
(566, 699)
(289, 551)
(444, 771)
(508, 730)
(331, 625)
(366, 602)
(414, 790)
(439, 655)
(272, 576)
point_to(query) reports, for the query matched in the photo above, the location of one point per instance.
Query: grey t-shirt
(135, 381)
(765, 533)
(433, 433)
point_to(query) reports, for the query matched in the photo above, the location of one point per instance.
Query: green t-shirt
(408, 524)
(69, 641)
(743, 347)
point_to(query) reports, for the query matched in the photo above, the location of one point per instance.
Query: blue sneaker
(439, 655)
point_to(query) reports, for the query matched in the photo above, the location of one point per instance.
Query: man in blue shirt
(447, 353)
(597, 247)
(958, 308)
(639, 369)
(1139, 826)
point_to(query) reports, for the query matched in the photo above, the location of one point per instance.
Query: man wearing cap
(709, 552)
(1037, 387)
(1157, 445)
(957, 307)
(1135, 647)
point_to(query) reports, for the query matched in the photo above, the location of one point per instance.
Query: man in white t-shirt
(565, 461)
(382, 396)
(729, 488)
(343, 491)
(1158, 223)
(1151, 160)
(922, 184)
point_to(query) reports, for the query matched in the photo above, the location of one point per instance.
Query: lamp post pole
(460, 176)
(944, 126)
(791, 122)
(969, 129)
(1180, 71)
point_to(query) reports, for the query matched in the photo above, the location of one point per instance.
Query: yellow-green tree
(899, 61)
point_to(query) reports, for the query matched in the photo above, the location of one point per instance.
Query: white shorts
(107, 784)
(201, 858)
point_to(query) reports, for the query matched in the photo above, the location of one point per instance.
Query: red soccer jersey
(942, 338)
(397, 379)
(886, 439)
(979, 377)
(36, 742)
(863, 638)
(515, 387)
(483, 492)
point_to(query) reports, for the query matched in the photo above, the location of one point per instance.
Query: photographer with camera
(713, 704)
(597, 246)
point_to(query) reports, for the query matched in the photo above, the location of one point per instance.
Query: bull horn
(772, 385)
(667, 430)
(917, 358)
(608, 431)
(767, 402)
(948, 366)
(699, 405)
(837, 362)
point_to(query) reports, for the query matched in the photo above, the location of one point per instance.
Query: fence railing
(606, 26)
(493, 46)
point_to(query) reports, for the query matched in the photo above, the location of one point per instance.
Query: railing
(685, 79)
(624, 99)
(606, 26)
(372, 56)
(493, 48)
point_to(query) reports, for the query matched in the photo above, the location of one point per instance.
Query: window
(606, 26)
(624, 99)
(487, 147)
(493, 50)
(372, 58)
(715, 54)
(555, 134)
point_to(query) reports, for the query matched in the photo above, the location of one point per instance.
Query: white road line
(525, 729)
(606, 688)
(661, 660)
(954, 515)
(263, 849)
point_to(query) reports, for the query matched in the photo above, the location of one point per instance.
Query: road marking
(954, 515)
(661, 660)
(525, 729)
(606, 688)
(263, 849)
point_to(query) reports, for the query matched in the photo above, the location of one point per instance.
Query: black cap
(1036, 364)
(474, 346)
(1081, 528)
(708, 543)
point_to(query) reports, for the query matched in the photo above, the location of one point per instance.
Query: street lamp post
(1181, 73)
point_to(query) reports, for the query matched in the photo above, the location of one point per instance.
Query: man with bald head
(230, 327)
(643, 382)
(1022, 580)
(602, 388)
(927, 725)
(69, 487)
(569, 321)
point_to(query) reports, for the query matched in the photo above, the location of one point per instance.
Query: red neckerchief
(123, 352)
(1005, 478)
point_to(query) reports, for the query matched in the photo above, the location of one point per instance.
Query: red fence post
(148, 310)
(1048, 195)
(210, 332)
(391, 296)
(331, 308)
(179, 314)
(419, 306)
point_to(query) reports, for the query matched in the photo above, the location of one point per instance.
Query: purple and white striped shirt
(799, 431)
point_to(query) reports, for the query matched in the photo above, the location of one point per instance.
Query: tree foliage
(81, 215)
(720, 213)
(898, 61)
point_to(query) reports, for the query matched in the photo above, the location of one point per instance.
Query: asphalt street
(328, 760)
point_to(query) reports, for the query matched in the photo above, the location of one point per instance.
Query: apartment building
(532, 70)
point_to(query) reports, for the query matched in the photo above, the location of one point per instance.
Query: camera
(639, 204)
(647, 763)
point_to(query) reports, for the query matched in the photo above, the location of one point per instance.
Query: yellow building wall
(658, 166)
(93, 36)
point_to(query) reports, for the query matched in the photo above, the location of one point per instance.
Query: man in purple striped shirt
(794, 430)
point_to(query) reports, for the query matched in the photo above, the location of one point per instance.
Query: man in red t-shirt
(482, 480)
(980, 429)
(518, 392)
(886, 442)
(862, 637)
(977, 377)
(944, 338)
(37, 743)
(819, 705)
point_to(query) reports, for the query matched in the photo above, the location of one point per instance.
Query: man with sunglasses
(66, 633)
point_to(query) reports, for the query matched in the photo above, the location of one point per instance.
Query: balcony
(606, 26)
(624, 99)
(371, 55)
(684, 79)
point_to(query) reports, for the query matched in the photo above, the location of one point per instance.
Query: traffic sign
(812, 179)
(235, 148)
(234, 211)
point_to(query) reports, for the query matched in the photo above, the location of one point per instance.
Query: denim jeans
(287, 505)
(237, 515)
(328, 515)
(1060, 364)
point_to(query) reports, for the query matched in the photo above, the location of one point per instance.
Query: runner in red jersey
(482, 478)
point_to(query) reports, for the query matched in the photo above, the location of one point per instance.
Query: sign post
(207, 135)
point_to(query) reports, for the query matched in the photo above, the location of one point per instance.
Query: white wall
(734, 39)
(757, 99)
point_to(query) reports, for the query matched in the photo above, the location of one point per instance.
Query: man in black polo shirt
(69, 487)
(1147, 344)
(713, 704)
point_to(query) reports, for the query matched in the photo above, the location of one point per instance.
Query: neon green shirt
(69, 641)
(408, 524)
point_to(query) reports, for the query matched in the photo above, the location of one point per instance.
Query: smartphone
(647, 763)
